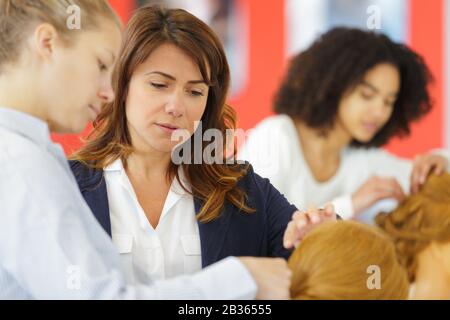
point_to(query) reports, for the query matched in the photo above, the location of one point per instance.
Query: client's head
(421, 225)
(342, 260)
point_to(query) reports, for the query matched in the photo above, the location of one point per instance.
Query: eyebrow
(173, 78)
(375, 89)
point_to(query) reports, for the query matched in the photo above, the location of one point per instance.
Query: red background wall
(267, 63)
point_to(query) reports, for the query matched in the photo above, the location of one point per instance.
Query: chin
(78, 128)
(160, 147)
(363, 138)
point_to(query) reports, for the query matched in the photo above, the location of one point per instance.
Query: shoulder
(15, 147)
(24, 160)
(250, 180)
(270, 146)
(259, 190)
(85, 175)
(274, 124)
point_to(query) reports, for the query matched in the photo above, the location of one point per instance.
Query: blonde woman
(420, 229)
(347, 260)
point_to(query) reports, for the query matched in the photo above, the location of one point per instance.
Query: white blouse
(147, 253)
(274, 150)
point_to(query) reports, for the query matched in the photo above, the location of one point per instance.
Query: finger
(414, 180)
(329, 209)
(314, 216)
(288, 235)
(415, 176)
(425, 169)
(302, 220)
(439, 168)
(295, 229)
(398, 190)
(387, 188)
(302, 225)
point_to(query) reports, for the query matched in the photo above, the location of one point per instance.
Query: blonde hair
(422, 219)
(18, 17)
(332, 263)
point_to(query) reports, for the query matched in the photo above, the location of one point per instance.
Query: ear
(45, 36)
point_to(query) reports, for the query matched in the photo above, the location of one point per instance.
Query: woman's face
(77, 80)
(166, 93)
(367, 108)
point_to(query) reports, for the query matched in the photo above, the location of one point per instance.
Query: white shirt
(172, 249)
(51, 245)
(274, 150)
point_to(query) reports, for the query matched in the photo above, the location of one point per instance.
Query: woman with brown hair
(54, 79)
(420, 229)
(347, 260)
(167, 218)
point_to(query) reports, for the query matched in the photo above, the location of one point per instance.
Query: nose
(106, 92)
(174, 106)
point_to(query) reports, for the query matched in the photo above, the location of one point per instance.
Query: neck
(19, 93)
(432, 279)
(322, 146)
(148, 164)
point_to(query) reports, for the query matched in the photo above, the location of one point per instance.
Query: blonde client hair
(18, 17)
(333, 262)
(423, 219)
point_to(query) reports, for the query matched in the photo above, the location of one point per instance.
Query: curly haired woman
(342, 99)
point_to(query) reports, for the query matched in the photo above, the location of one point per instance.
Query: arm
(380, 175)
(54, 248)
(278, 211)
(389, 177)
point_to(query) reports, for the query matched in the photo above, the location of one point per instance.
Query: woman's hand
(423, 165)
(376, 189)
(304, 222)
(272, 277)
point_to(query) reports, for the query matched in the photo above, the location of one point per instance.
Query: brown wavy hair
(331, 263)
(422, 219)
(150, 27)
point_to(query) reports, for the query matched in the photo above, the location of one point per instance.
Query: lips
(371, 126)
(167, 127)
(95, 109)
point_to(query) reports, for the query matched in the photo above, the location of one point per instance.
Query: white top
(172, 249)
(274, 150)
(51, 245)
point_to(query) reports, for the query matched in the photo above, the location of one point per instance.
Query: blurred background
(260, 36)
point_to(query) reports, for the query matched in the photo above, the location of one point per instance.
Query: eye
(158, 85)
(366, 95)
(102, 66)
(196, 93)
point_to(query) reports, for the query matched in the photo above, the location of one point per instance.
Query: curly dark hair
(335, 63)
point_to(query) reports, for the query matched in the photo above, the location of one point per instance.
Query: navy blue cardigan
(234, 233)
